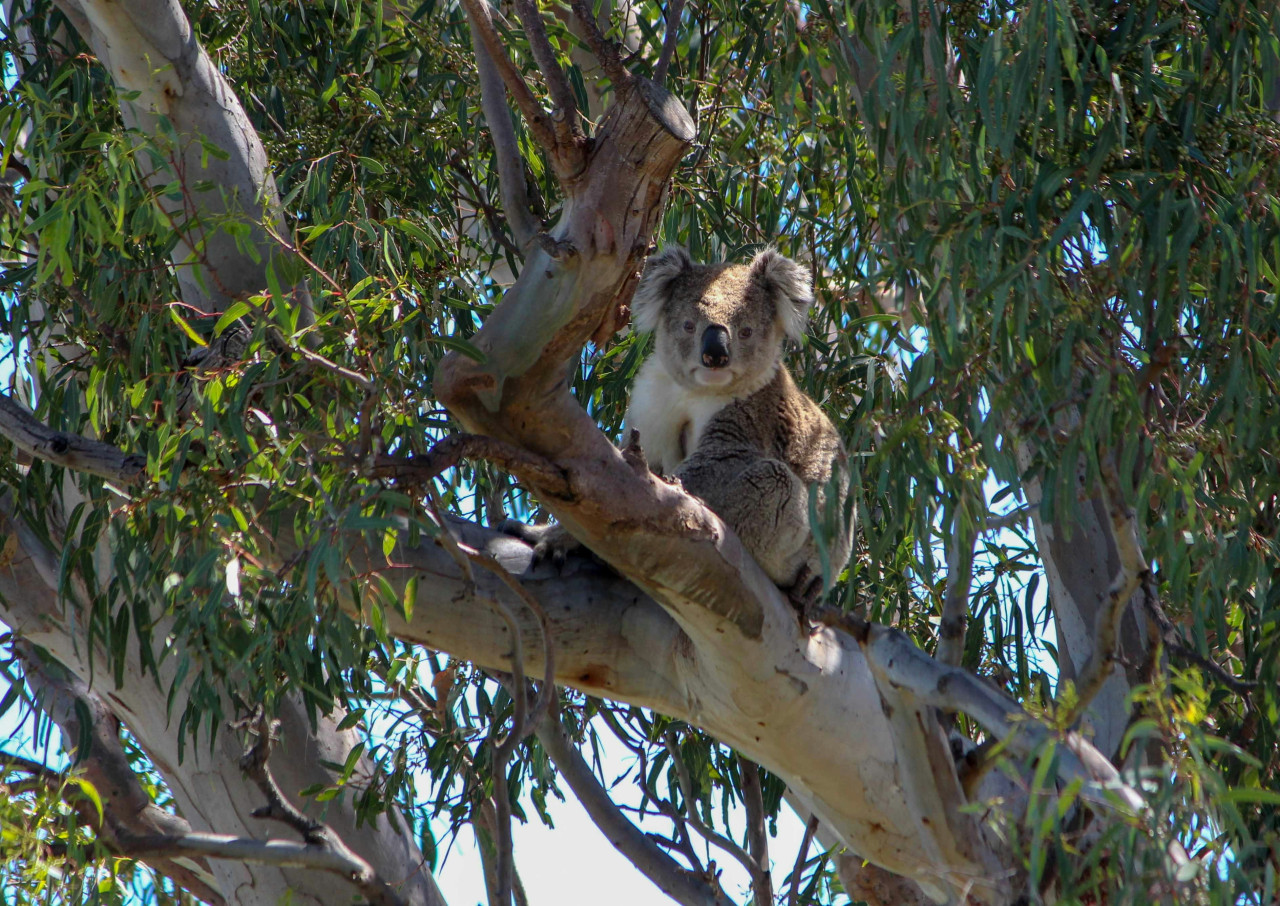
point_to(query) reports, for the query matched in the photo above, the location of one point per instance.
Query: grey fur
(741, 436)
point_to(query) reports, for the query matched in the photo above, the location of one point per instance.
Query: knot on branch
(558, 249)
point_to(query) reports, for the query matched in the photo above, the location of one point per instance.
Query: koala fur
(716, 408)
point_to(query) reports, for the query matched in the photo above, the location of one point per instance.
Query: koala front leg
(764, 502)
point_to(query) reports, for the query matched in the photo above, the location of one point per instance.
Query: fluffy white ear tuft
(654, 290)
(790, 287)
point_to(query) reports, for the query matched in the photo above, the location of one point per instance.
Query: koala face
(720, 327)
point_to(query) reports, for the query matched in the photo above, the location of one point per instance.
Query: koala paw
(550, 540)
(805, 591)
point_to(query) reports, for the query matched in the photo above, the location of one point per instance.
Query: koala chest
(669, 416)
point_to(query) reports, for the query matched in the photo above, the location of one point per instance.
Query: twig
(524, 719)
(506, 149)
(341, 371)
(547, 692)
(684, 886)
(691, 814)
(564, 114)
(955, 599)
(1173, 643)
(322, 847)
(1008, 520)
(793, 891)
(669, 41)
(757, 835)
(605, 50)
(281, 853)
(510, 169)
(536, 470)
(1130, 576)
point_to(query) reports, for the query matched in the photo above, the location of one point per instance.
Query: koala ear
(654, 290)
(789, 285)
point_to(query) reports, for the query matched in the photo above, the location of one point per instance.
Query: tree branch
(1128, 579)
(506, 148)
(683, 886)
(674, 10)
(1014, 517)
(797, 869)
(72, 451)
(539, 123)
(127, 809)
(1172, 640)
(322, 849)
(955, 599)
(162, 72)
(605, 50)
(536, 470)
(900, 664)
(757, 834)
(711, 835)
(564, 113)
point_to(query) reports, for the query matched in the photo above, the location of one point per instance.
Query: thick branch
(955, 599)
(564, 115)
(1128, 579)
(481, 20)
(902, 665)
(506, 148)
(163, 74)
(80, 454)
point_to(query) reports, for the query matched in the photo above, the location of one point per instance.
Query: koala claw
(805, 591)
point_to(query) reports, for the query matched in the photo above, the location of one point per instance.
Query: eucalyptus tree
(304, 301)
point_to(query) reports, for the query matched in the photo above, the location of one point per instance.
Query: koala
(716, 409)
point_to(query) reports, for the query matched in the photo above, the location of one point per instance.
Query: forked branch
(481, 21)
(322, 848)
(560, 133)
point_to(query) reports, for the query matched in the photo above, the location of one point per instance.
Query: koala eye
(745, 332)
(688, 327)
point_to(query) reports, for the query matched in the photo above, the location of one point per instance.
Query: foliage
(1078, 228)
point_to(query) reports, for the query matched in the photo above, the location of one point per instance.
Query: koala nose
(715, 347)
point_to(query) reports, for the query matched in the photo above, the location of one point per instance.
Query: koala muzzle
(715, 347)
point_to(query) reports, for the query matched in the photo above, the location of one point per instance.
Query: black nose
(715, 347)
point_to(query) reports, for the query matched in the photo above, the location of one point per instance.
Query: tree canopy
(301, 301)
